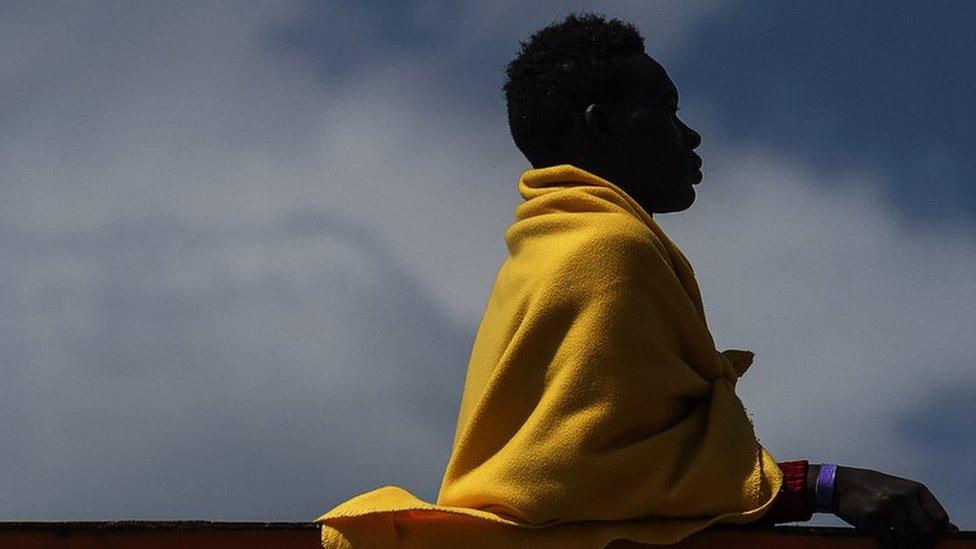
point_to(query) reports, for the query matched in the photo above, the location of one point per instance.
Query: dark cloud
(254, 372)
(890, 87)
(941, 423)
(244, 252)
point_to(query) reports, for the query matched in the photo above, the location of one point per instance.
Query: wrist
(810, 492)
(822, 487)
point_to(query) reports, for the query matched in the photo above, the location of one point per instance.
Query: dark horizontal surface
(156, 525)
(201, 534)
(826, 531)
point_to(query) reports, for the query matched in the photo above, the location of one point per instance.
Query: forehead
(651, 80)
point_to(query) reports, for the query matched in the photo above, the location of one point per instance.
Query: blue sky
(244, 249)
(860, 83)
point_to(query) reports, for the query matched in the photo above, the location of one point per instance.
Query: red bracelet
(794, 505)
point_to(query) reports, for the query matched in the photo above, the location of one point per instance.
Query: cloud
(244, 266)
(160, 371)
(858, 319)
(840, 86)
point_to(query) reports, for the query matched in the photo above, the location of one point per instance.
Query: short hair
(560, 70)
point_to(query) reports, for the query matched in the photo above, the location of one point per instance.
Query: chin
(678, 202)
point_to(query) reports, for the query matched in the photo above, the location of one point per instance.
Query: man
(596, 407)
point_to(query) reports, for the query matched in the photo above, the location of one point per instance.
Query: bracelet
(824, 495)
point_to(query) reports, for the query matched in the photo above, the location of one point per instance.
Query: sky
(245, 247)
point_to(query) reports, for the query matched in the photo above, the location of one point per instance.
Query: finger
(883, 528)
(876, 524)
(904, 532)
(887, 539)
(938, 515)
(933, 508)
(927, 533)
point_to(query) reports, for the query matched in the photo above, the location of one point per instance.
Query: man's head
(583, 92)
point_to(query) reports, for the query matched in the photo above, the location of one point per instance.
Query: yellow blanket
(596, 406)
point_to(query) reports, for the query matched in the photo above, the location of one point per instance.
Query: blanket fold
(595, 407)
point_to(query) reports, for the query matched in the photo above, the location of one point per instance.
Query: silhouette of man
(596, 407)
(584, 92)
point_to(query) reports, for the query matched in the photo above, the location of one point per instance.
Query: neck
(611, 175)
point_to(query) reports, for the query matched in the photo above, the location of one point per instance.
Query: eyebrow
(666, 91)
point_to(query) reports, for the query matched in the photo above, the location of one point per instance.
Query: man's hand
(899, 512)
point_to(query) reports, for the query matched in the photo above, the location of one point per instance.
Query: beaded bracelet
(824, 495)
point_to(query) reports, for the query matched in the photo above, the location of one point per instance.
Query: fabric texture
(595, 407)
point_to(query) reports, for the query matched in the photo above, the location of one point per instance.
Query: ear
(597, 123)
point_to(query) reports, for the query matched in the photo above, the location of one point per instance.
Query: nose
(692, 138)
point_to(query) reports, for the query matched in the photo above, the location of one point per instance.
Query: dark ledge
(156, 525)
(203, 534)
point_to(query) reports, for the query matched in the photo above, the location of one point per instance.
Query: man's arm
(897, 511)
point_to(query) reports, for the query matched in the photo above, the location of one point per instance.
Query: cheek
(661, 140)
(676, 140)
(676, 152)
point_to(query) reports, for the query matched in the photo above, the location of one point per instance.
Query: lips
(694, 169)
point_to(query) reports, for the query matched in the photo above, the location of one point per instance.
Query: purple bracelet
(824, 494)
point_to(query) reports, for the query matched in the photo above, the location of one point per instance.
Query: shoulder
(600, 249)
